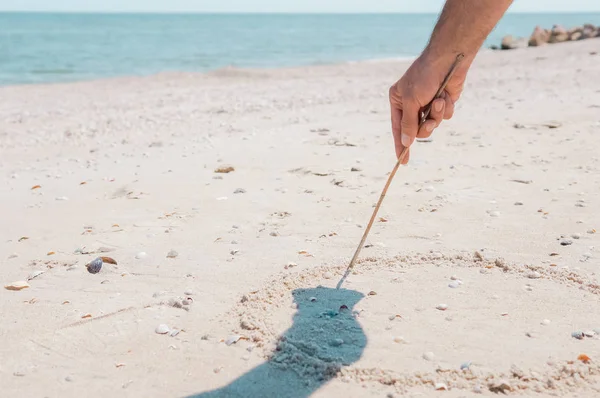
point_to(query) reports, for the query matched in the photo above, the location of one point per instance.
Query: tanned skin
(462, 27)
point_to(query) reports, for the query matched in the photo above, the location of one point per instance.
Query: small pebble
(442, 307)
(577, 335)
(494, 214)
(454, 284)
(14, 255)
(399, 340)
(274, 234)
(546, 322)
(188, 292)
(566, 242)
(162, 329)
(591, 231)
(589, 333)
(239, 190)
(141, 255)
(69, 378)
(465, 365)
(478, 389)
(62, 198)
(174, 332)
(172, 254)
(327, 275)
(454, 277)
(597, 331)
(94, 266)
(576, 236)
(518, 203)
(313, 299)
(429, 356)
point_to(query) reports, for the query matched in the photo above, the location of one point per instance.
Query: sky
(279, 5)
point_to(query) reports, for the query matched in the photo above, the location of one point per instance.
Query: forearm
(463, 27)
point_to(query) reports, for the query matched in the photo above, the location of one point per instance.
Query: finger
(410, 123)
(397, 129)
(427, 128)
(437, 111)
(448, 107)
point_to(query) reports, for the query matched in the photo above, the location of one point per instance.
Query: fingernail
(438, 106)
(405, 140)
(429, 127)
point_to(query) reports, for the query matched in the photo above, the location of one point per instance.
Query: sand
(127, 165)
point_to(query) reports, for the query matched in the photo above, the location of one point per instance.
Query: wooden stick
(401, 158)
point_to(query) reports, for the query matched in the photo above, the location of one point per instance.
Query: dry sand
(127, 166)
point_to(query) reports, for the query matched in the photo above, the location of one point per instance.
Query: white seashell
(174, 332)
(441, 387)
(589, 333)
(188, 292)
(534, 275)
(34, 274)
(429, 356)
(233, 339)
(141, 255)
(162, 329)
(442, 307)
(18, 285)
(546, 322)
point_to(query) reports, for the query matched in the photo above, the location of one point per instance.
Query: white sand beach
(126, 170)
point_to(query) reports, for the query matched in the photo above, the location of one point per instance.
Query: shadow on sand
(324, 338)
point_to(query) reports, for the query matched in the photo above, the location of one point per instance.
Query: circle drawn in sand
(378, 327)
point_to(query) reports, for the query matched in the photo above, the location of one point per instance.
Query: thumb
(410, 123)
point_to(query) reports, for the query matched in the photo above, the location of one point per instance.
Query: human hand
(414, 91)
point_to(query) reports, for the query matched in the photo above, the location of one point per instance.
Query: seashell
(442, 307)
(94, 266)
(429, 356)
(162, 329)
(36, 187)
(232, 339)
(141, 255)
(546, 322)
(50, 253)
(172, 254)
(454, 284)
(224, 169)
(584, 358)
(174, 332)
(327, 275)
(534, 275)
(577, 335)
(108, 260)
(441, 387)
(18, 285)
(86, 316)
(465, 365)
(566, 242)
(399, 340)
(372, 293)
(34, 274)
(188, 292)
(589, 333)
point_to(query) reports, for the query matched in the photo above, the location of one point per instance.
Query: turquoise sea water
(37, 48)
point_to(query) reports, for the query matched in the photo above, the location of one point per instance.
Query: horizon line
(271, 12)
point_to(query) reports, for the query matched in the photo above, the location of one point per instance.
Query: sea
(48, 48)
